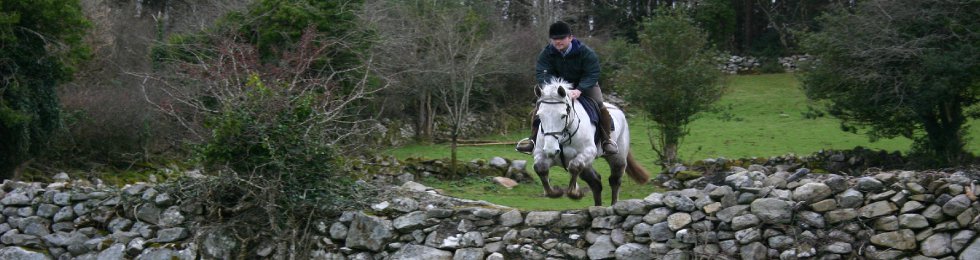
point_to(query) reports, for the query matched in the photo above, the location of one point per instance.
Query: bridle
(571, 117)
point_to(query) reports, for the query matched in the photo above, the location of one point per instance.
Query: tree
(670, 75)
(900, 68)
(40, 46)
(438, 53)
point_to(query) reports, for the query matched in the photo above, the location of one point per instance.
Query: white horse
(566, 138)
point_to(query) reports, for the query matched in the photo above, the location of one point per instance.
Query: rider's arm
(591, 76)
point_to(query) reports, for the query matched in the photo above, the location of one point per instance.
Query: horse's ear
(561, 92)
(537, 90)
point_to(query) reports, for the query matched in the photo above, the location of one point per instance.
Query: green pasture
(759, 116)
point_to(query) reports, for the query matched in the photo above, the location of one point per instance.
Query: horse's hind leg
(617, 168)
(592, 178)
(542, 170)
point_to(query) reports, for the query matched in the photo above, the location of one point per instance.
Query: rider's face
(561, 43)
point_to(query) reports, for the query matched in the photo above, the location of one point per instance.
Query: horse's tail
(635, 170)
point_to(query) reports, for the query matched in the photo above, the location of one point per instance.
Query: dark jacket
(580, 66)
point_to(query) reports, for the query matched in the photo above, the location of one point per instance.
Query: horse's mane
(550, 87)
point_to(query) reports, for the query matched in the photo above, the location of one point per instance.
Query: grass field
(761, 116)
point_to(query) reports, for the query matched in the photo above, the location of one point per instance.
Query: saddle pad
(592, 109)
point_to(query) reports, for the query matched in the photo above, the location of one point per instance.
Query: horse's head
(554, 106)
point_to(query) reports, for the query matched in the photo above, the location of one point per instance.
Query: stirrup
(613, 145)
(525, 146)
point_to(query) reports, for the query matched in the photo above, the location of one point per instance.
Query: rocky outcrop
(890, 215)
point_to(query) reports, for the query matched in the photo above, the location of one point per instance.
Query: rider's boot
(605, 127)
(527, 145)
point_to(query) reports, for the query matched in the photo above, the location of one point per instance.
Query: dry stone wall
(752, 215)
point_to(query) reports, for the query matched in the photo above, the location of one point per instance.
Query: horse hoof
(557, 193)
(575, 195)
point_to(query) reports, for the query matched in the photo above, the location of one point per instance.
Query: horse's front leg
(541, 167)
(581, 164)
(573, 191)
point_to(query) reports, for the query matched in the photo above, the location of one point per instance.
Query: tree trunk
(943, 133)
(747, 25)
(425, 121)
(453, 145)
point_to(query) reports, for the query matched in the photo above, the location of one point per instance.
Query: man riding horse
(573, 61)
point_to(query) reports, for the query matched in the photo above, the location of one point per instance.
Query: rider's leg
(528, 146)
(605, 121)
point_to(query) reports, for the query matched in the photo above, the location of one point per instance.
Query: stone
(408, 222)
(631, 207)
(934, 213)
(20, 253)
(633, 251)
(338, 231)
(168, 235)
(913, 221)
(116, 251)
(824, 205)
(438, 213)
(902, 240)
(66, 213)
(414, 186)
(956, 205)
(607, 222)
(937, 245)
(472, 239)
(964, 219)
(157, 253)
(911, 207)
(498, 162)
(726, 214)
(744, 221)
(680, 203)
(812, 192)
(754, 251)
(171, 217)
(495, 256)
(410, 251)
(748, 235)
(570, 220)
(780, 242)
(603, 248)
(35, 225)
(16, 198)
(164, 199)
(772, 211)
(886, 223)
(971, 251)
(656, 215)
(511, 218)
(542, 218)
(119, 224)
(678, 220)
(960, 239)
(869, 184)
(404, 204)
(369, 233)
(837, 248)
(47, 210)
(850, 198)
(74, 241)
(877, 209)
(507, 183)
(468, 253)
(146, 212)
(661, 232)
(811, 219)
